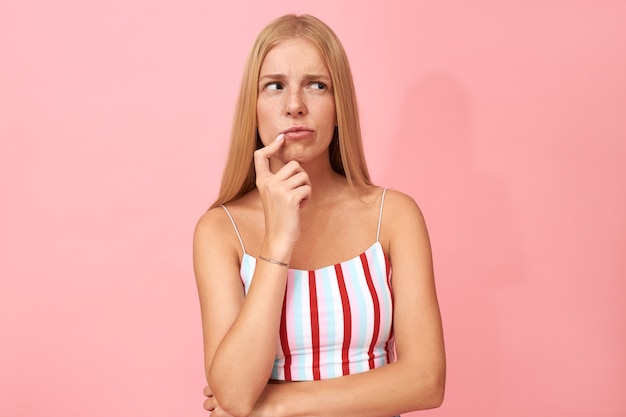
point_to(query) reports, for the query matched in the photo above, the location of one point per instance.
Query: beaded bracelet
(273, 261)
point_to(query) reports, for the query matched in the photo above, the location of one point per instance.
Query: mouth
(296, 132)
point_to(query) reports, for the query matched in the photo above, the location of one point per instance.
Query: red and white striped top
(336, 320)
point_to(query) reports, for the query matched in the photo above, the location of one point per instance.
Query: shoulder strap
(235, 226)
(380, 215)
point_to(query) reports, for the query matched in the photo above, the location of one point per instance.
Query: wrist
(274, 261)
(278, 253)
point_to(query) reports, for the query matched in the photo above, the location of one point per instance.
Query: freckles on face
(295, 95)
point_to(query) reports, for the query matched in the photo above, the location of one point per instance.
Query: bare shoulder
(216, 220)
(213, 221)
(219, 228)
(215, 239)
(400, 207)
(402, 220)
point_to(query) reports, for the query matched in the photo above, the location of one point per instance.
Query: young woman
(316, 286)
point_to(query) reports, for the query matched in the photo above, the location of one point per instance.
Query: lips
(296, 132)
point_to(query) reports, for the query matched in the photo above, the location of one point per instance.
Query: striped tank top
(336, 320)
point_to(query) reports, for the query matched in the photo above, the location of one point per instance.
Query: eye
(318, 85)
(274, 86)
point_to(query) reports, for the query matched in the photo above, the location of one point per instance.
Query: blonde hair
(346, 148)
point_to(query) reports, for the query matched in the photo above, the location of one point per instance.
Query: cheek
(263, 122)
(332, 114)
(330, 108)
(260, 112)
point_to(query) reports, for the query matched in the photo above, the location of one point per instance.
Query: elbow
(234, 405)
(427, 396)
(233, 402)
(236, 408)
(433, 391)
(437, 393)
(428, 390)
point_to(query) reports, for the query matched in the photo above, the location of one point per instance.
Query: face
(296, 98)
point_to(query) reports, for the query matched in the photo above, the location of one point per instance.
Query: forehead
(293, 56)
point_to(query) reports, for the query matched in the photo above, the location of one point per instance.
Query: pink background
(505, 120)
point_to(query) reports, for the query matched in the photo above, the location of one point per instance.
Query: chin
(291, 153)
(301, 154)
(288, 157)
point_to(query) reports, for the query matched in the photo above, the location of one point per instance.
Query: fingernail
(279, 137)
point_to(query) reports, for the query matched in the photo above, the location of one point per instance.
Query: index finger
(262, 156)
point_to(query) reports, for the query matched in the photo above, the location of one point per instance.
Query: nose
(295, 105)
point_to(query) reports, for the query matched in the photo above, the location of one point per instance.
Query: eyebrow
(280, 76)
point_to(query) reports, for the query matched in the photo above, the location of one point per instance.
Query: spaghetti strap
(380, 215)
(235, 227)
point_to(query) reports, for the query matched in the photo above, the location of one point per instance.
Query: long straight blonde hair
(346, 148)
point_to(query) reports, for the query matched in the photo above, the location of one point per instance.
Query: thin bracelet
(273, 261)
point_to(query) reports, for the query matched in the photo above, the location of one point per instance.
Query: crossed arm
(240, 333)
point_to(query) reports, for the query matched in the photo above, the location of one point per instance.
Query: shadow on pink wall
(476, 248)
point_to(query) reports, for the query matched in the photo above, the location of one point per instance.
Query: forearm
(392, 389)
(243, 361)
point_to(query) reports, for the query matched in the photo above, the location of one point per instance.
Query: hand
(282, 193)
(211, 404)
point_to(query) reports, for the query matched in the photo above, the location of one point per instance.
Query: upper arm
(417, 320)
(216, 267)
